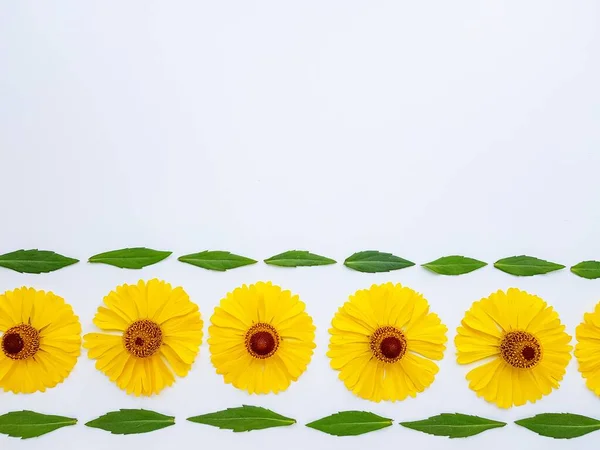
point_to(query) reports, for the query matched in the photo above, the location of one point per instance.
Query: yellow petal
(428, 349)
(123, 302)
(179, 366)
(110, 320)
(482, 376)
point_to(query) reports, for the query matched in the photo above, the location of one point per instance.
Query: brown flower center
(143, 338)
(21, 342)
(521, 349)
(388, 344)
(262, 340)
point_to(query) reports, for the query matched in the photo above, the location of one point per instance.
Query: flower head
(524, 342)
(587, 350)
(152, 332)
(40, 340)
(383, 341)
(261, 339)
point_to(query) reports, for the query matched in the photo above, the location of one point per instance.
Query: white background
(420, 128)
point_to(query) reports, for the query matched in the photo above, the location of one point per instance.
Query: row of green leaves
(29, 424)
(371, 261)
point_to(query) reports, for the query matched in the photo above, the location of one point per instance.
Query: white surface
(419, 128)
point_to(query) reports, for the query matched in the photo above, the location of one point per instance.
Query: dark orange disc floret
(262, 340)
(388, 344)
(143, 338)
(521, 349)
(21, 342)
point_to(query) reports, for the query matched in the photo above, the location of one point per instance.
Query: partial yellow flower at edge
(587, 350)
(152, 333)
(383, 341)
(520, 344)
(261, 339)
(40, 340)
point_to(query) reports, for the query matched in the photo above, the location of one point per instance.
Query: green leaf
(454, 265)
(373, 261)
(560, 425)
(35, 261)
(453, 425)
(587, 269)
(131, 421)
(29, 424)
(296, 258)
(130, 258)
(216, 260)
(526, 266)
(350, 423)
(244, 418)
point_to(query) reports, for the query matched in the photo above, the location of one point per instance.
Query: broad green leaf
(453, 425)
(526, 266)
(373, 261)
(130, 258)
(587, 269)
(296, 258)
(350, 423)
(35, 261)
(560, 425)
(454, 265)
(29, 424)
(131, 421)
(244, 418)
(216, 260)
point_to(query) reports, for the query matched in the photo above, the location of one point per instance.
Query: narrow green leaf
(29, 424)
(130, 258)
(216, 260)
(453, 425)
(373, 261)
(526, 266)
(296, 258)
(587, 269)
(35, 261)
(350, 423)
(244, 418)
(131, 421)
(454, 265)
(560, 425)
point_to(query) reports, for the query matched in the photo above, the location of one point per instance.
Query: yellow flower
(383, 340)
(527, 345)
(261, 339)
(41, 340)
(587, 350)
(153, 332)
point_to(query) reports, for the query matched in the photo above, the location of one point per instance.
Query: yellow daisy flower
(527, 348)
(261, 339)
(383, 340)
(587, 350)
(41, 340)
(154, 331)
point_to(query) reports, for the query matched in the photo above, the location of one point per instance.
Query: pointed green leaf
(373, 261)
(216, 260)
(454, 265)
(560, 425)
(587, 269)
(130, 258)
(453, 425)
(350, 423)
(29, 424)
(244, 418)
(526, 266)
(131, 421)
(297, 258)
(35, 261)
